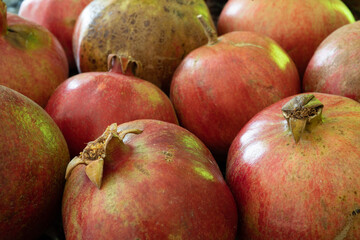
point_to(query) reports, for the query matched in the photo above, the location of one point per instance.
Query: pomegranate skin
(160, 184)
(85, 104)
(33, 159)
(157, 34)
(335, 65)
(58, 16)
(299, 26)
(218, 87)
(32, 61)
(305, 190)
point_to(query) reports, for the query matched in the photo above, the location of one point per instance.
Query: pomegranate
(293, 170)
(58, 16)
(33, 160)
(85, 104)
(147, 179)
(218, 87)
(335, 66)
(32, 60)
(157, 34)
(298, 26)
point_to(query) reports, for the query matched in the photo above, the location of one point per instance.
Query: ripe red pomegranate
(157, 34)
(85, 104)
(293, 170)
(335, 66)
(58, 16)
(32, 60)
(159, 183)
(33, 159)
(218, 87)
(298, 26)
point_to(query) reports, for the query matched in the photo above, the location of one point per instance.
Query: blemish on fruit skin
(169, 155)
(244, 44)
(355, 212)
(350, 222)
(142, 169)
(174, 237)
(25, 37)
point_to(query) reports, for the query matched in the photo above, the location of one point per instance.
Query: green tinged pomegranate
(33, 160)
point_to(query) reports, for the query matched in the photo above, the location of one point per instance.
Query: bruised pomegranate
(58, 16)
(294, 170)
(157, 34)
(147, 179)
(32, 60)
(335, 66)
(33, 159)
(85, 104)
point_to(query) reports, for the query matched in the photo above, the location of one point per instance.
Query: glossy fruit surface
(218, 87)
(33, 159)
(85, 104)
(303, 190)
(298, 26)
(160, 183)
(335, 66)
(32, 60)
(58, 16)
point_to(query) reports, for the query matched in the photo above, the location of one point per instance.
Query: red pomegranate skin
(299, 26)
(162, 184)
(32, 60)
(33, 159)
(335, 66)
(58, 16)
(308, 190)
(218, 88)
(85, 104)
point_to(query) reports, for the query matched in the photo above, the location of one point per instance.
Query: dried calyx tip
(123, 64)
(94, 154)
(302, 112)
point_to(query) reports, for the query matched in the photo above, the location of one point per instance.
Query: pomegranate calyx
(94, 154)
(124, 64)
(210, 32)
(303, 112)
(94, 171)
(3, 18)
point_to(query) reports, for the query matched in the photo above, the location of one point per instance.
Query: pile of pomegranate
(180, 119)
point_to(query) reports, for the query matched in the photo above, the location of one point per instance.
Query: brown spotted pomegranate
(158, 34)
